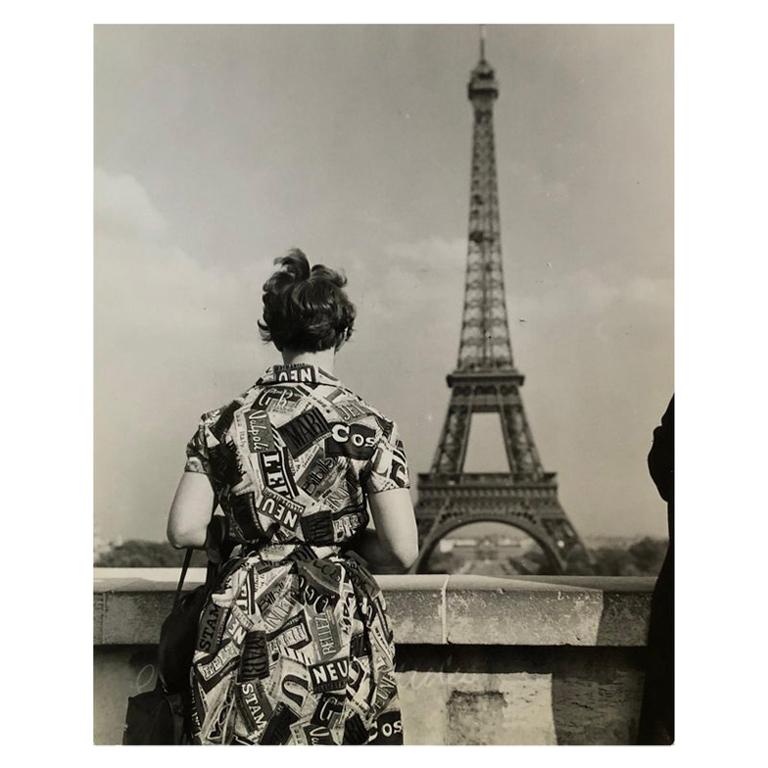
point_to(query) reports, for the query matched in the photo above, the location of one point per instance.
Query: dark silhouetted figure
(657, 716)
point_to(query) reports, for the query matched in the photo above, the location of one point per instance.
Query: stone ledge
(131, 603)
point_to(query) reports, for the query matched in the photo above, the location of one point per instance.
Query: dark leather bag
(156, 717)
(178, 637)
(159, 716)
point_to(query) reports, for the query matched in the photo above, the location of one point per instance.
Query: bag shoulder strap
(184, 568)
(187, 560)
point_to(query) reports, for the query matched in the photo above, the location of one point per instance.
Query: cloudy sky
(217, 148)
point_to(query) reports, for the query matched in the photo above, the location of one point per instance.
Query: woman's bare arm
(191, 511)
(395, 523)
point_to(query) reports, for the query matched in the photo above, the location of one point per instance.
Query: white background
(720, 321)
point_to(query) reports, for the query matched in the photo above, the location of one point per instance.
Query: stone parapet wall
(480, 660)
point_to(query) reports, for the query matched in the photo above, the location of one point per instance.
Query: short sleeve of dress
(389, 464)
(198, 459)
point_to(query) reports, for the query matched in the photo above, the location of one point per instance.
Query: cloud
(123, 207)
(409, 275)
(560, 294)
(154, 292)
(410, 295)
(176, 335)
(171, 336)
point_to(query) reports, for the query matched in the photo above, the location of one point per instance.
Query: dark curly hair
(305, 309)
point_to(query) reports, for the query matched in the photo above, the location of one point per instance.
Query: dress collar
(297, 373)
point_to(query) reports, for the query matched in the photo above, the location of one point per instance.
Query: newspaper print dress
(294, 645)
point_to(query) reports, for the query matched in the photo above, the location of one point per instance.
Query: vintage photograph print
(384, 424)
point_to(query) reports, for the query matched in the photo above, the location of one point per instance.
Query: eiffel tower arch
(486, 381)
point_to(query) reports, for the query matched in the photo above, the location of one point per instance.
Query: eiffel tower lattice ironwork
(486, 380)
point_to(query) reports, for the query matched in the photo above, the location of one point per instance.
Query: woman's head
(306, 310)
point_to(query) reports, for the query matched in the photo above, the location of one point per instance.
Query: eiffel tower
(486, 381)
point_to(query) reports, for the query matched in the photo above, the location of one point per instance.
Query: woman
(294, 645)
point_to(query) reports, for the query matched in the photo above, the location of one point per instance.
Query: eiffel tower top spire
(485, 344)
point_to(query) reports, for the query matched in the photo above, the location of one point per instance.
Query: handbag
(159, 716)
(156, 717)
(178, 634)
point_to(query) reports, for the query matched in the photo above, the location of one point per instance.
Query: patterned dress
(294, 645)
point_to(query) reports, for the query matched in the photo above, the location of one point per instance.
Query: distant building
(464, 543)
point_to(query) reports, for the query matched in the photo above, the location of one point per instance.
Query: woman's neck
(323, 359)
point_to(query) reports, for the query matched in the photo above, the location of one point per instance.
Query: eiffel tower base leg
(445, 504)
